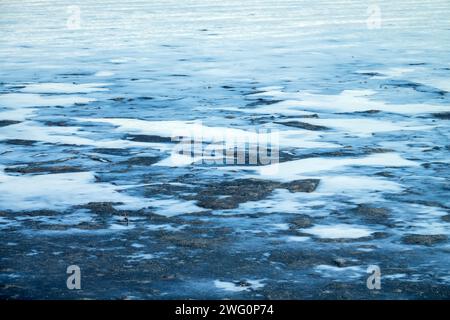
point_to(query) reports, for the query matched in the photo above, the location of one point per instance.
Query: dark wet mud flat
(90, 175)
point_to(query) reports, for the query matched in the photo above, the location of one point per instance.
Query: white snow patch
(344, 184)
(352, 272)
(363, 127)
(280, 226)
(230, 286)
(173, 207)
(58, 191)
(104, 73)
(338, 231)
(31, 130)
(18, 100)
(195, 129)
(55, 87)
(292, 170)
(297, 239)
(17, 114)
(346, 101)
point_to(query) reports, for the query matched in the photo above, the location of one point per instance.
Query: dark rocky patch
(186, 239)
(56, 123)
(112, 151)
(148, 138)
(370, 74)
(305, 185)
(302, 125)
(384, 174)
(346, 151)
(371, 111)
(141, 161)
(340, 262)
(368, 150)
(425, 240)
(145, 98)
(372, 214)
(39, 169)
(262, 102)
(228, 195)
(4, 123)
(101, 208)
(302, 221)
(309, 116)
(446, 218)
(118, 99)
(442, 115)
(20, 142)
(301, 258)
(163, 188)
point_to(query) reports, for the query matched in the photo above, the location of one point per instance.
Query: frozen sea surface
(90, 174)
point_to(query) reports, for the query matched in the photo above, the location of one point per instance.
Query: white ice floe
(433, 81)
(286, 108)
(338, 231)
(142, 256)
(346, 101)
(17, 114)
(280, 226)
(281, 200)
(363, 127)
(424, 220)
(338, 273)
(292, 170)
(119, 60)
(31, 130)
(104, 73)
(438, 83)
(22, 100)
(358, 188)
(395, 72)
(59, 191)
(62, 87)
(395, 276)
(201, 133)
(233, 287)
(121, 226)
(297, 239)
(173, 207)
(70, 135)
(352, 184)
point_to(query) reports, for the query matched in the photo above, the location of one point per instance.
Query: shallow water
(89, 176)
